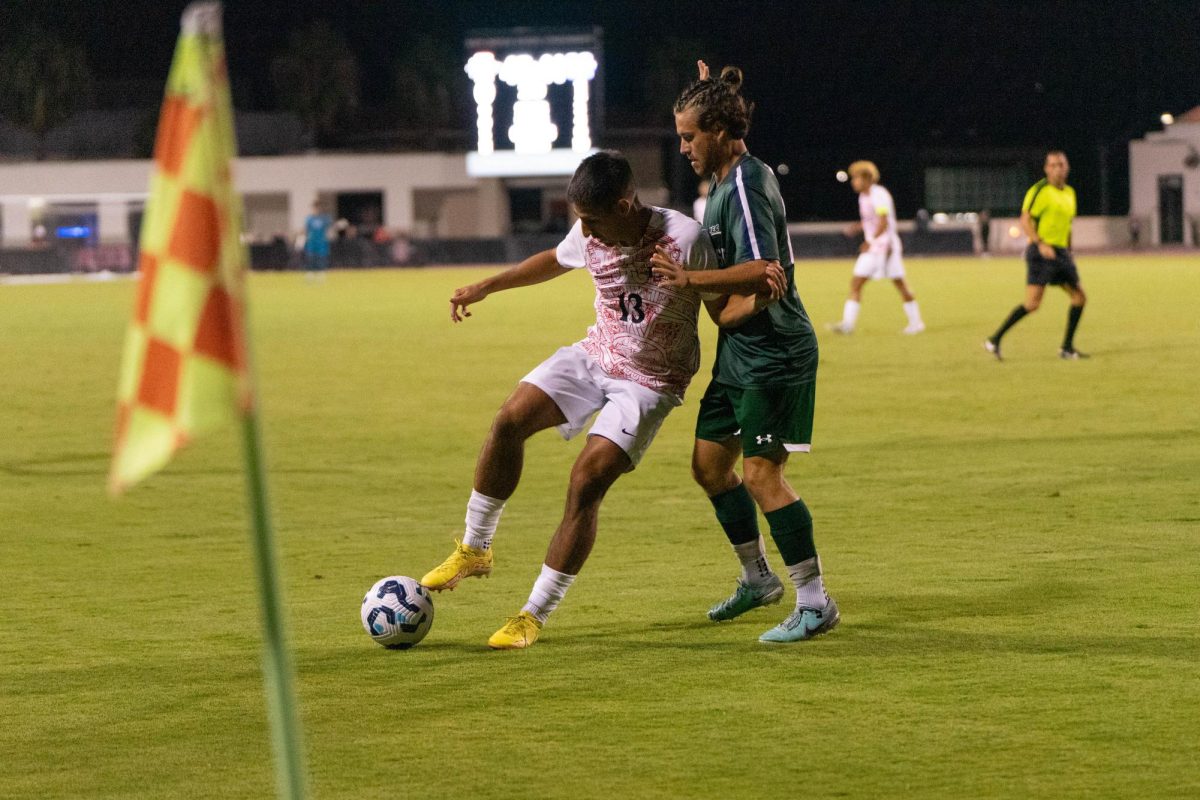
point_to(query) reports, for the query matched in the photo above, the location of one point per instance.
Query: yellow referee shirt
(1052, 210)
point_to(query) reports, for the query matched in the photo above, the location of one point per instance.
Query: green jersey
(1052, 210)
(746, 221)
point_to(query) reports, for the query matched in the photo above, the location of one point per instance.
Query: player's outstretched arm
(749, 277)
(538, 268)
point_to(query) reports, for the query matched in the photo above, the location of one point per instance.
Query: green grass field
(1013, 547)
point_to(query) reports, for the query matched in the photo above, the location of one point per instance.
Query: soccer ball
(397, 612)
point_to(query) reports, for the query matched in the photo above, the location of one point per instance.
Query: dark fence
(916, 243)
(358, 253)
(33, 262)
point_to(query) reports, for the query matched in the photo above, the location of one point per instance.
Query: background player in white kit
(633, 368)
(881, 255)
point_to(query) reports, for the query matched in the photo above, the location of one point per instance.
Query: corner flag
(186, 367)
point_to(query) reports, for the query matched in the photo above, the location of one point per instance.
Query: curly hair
(719, 103)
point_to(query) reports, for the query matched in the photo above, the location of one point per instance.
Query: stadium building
(538, 99)
(1164, 181)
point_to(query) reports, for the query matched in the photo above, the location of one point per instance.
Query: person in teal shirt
(316, 241)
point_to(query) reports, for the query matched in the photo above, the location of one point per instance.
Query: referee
(1046, 216)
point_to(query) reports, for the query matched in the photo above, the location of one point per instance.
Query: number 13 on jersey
(631, 307)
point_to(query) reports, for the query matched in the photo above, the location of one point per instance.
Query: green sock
(737, 514)
(792, 530)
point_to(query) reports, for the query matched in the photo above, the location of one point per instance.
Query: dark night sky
(832, 81)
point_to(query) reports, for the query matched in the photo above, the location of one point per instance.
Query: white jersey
(874, 203)
(645, 332)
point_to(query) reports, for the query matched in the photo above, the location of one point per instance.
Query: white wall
(1087, 233)
(267, 214)
(300, 178)
(1163, 153)
(445, 214)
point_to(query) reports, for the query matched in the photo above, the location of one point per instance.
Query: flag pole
(186, 362)
(186, 365)
(277, 666)
(286, 745)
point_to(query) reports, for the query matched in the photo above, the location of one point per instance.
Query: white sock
(548, 591)
(850, 313)
(483, 513)
(753, 555)
(810, 588)
(914, 313)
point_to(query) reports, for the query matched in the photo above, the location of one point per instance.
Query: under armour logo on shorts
(761, 439)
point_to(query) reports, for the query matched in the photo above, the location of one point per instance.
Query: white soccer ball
(397, 612)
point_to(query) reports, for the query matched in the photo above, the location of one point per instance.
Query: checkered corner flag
(186, 365)
(184, 369)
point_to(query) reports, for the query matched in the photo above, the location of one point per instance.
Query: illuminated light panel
(506, 163)
(533, 132)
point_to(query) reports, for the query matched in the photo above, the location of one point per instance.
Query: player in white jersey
(632, 367)
(881, 254)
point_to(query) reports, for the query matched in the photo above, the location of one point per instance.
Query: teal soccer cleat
(746, 597)
(804, 623)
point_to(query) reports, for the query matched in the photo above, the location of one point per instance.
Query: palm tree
(44, 81)
(428, 80)
(317, 77)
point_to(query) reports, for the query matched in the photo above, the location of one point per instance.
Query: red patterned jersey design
(645, 332)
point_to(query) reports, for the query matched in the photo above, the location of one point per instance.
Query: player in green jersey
(1046, 216)
(630, 370)
(759, 405)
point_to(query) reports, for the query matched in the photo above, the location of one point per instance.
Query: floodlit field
(1013, 547)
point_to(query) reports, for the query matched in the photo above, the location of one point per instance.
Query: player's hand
(777, 281)
(669, 271)
(1047, 251)
(463, 297)
(703, 68)
(864, 247)
(851, 230)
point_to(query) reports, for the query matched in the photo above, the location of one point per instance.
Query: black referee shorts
(1059, 271)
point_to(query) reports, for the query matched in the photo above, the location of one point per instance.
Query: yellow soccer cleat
(464, 562)
(519, 632)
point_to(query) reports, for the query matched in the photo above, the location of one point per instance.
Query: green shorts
(769, 419)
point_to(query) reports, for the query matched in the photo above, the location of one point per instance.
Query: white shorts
(630, 414)
(879, 265)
